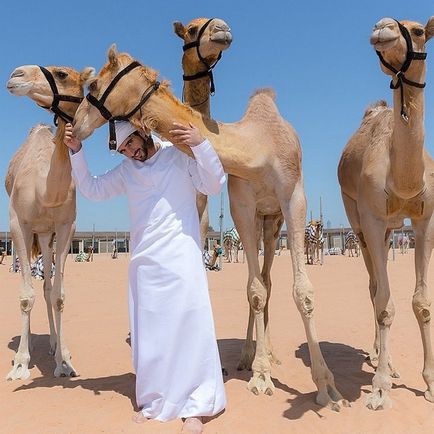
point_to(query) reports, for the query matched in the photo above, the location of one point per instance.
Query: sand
(101, 399)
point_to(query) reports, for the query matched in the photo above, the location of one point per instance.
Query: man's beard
(141, 153)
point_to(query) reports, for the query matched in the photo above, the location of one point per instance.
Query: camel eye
(418, 32)
(192, 31)
(92, 86)
(61, 74)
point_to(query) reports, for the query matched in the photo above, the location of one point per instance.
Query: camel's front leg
(45, 241)
(64, 233)
(23, 238)
(294, 210)
(421, 299)
(374, 233)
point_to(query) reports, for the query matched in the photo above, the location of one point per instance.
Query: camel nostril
(17, 73)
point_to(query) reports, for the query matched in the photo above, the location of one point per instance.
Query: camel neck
(407, 166)
(197, 96)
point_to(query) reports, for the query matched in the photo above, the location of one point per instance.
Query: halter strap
(99, 103)
(209, 68)
(401, 79)
(58, 112)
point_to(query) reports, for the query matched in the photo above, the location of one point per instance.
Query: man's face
(135, 147)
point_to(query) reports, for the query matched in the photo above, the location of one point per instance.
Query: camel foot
(20, 371)
(192, 425)
(139, 417)
(65, 369)
(372, 357)
(329, 397)
(261, 383)
(429, 396)
(378, 400)
(273, 359)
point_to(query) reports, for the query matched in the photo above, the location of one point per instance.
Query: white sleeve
(91, 187)
(206, 170)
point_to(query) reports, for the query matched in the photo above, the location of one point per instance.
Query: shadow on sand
(123, 384)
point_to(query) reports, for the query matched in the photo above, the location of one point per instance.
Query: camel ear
(86, 75)
(179, 29)
(113, 55)
(429, 29)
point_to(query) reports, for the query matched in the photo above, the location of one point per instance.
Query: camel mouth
(17, 88)
(221, 38)
(384, 45)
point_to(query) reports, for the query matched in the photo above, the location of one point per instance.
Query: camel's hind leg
(294, 210)
(272, 225)
(421, 299)
(22, 237)
(46, 244)
(62, 356)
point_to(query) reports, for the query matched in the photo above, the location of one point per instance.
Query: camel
(204, 40)
(261, 147)
(42, 203)
(385, 175)
(196, 94)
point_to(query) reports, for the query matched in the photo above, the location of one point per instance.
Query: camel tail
(265, 91)
(36, 250)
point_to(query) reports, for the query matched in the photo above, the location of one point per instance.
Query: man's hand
(70, 140)
(182, 135)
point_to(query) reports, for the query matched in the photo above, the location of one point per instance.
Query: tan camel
(42, 205)
(262, 146)
(196, 94)
(385, 175)
(204, 40)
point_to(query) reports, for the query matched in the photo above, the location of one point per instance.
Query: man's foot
(192, 425)
(139, 417)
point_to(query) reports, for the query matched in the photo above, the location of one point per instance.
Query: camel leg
(45, 242)
(272, 226)
(64, 233)
(244, 215)
(23, 238)
(374, 231)
(202, 209)
(422, 301)
(294, 210)
(354, 219)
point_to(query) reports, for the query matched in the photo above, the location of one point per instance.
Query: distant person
(2, 255)
(115, 253)
(90, 254)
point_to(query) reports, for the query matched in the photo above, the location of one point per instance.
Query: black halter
(58, 112)
(401, 79)
(99, 103)
(209, 68)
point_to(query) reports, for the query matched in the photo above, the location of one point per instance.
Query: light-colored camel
(42, 206)
(211, 38)
(261, 146)
(385, 175)
(196, 94)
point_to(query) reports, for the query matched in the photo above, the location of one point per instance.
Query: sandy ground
(101, 399)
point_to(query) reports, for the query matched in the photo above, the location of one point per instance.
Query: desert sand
(101, 398)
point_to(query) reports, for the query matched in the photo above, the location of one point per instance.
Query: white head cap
(123, 130)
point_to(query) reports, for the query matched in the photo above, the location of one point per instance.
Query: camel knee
(26, 304)
(57, 301)
(421, 306)
(303, 297)
(257, 295)
(385, 315)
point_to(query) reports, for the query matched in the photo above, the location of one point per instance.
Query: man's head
(131, 142)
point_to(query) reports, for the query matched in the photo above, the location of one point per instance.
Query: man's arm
(92, 187)
(206, 170)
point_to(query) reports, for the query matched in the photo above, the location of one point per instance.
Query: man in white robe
(174, 349)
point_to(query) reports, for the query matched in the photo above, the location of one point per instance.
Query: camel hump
(268, 91)
(375, 108)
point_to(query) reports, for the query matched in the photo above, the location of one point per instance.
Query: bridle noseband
(99, 103)
(58, 112)
(401, 79)
(209, 68)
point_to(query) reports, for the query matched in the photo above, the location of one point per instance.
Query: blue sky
(315, 54)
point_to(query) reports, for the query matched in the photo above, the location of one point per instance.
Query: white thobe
(175, 355)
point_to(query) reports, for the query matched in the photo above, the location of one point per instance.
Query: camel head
(33, 81)
(389, 40)
(130, 84)
(207, 38)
